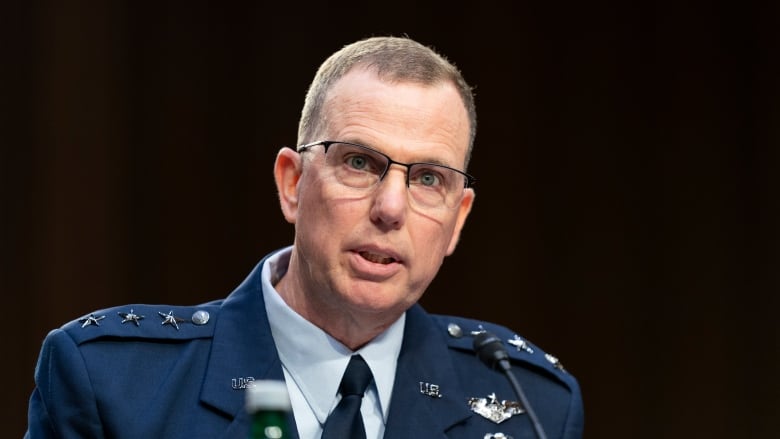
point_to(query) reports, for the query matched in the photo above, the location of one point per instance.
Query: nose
(391, 198)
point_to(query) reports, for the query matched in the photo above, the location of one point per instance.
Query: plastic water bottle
(268, 403)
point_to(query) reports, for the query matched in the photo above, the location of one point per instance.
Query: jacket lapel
(242, 350)
(424, 361)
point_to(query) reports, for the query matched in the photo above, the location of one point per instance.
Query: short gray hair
(394, 59)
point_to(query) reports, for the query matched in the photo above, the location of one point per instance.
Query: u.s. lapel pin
(494, 410)
(432, 390)
(240, 383)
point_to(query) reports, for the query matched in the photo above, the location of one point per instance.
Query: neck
(353, 329)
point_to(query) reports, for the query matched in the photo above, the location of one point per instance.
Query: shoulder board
(164, 322)
(460, 335)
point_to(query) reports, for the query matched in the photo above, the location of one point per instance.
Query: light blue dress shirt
(314, 362)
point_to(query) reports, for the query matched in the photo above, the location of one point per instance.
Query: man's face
(373, 252)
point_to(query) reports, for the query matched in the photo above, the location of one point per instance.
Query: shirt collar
(315, 360)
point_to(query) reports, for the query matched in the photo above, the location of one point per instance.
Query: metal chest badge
(490, 408)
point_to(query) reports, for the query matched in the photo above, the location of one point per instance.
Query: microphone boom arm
(491, 351)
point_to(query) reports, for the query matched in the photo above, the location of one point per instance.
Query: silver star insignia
(520, 344)
(170, 319)
(555, 362)
(479, 330)
(91, 320)
(130, 317)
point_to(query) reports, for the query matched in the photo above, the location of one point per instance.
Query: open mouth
(378, 259)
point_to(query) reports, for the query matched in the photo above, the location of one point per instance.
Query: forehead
(408, 118)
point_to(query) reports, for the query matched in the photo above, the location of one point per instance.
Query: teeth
(376, 258)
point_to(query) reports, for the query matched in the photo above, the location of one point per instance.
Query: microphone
(491, 351)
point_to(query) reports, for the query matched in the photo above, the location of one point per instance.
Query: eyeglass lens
(360, 167)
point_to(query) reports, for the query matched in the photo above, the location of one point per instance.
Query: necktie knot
(345, 422)
(356, 378)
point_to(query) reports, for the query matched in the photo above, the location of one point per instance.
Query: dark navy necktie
(346, 422)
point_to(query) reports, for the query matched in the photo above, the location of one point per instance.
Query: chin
(381, 306)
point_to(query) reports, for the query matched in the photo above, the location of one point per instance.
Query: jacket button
(200, 317)
(454, 330)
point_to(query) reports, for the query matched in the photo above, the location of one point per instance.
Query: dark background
(627, 157)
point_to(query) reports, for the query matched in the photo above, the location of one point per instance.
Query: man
(378, 194)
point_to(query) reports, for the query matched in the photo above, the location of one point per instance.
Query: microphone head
(491, 350)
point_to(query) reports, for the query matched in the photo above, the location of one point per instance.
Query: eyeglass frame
(468, 182)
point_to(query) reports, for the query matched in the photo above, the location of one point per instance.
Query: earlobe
(463, 212)
(287, 173)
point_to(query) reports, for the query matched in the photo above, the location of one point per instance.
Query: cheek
(431, 240)
(326, 210)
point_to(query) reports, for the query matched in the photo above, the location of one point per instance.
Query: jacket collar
(243, 348)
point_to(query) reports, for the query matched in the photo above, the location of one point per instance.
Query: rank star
(555, 362)
(170, 319)
(130, 317)
(91, 320)
(520, 344)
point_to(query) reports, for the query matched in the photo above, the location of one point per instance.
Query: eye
(429, 178)
(357, 161)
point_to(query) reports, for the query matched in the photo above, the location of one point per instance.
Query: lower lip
(372, 270)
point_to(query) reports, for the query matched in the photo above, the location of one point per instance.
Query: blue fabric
(346, 421)
(119, 380)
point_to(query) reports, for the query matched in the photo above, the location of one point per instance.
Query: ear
(287, 173)
(463, 212)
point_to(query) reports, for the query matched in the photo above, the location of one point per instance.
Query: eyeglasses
(360, 167)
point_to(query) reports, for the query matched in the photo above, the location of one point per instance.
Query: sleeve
(63, 403)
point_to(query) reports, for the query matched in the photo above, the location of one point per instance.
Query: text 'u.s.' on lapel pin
(431, 390)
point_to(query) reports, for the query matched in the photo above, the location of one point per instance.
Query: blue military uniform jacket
(158, 371)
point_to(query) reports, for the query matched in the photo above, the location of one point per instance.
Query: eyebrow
(431, 161)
